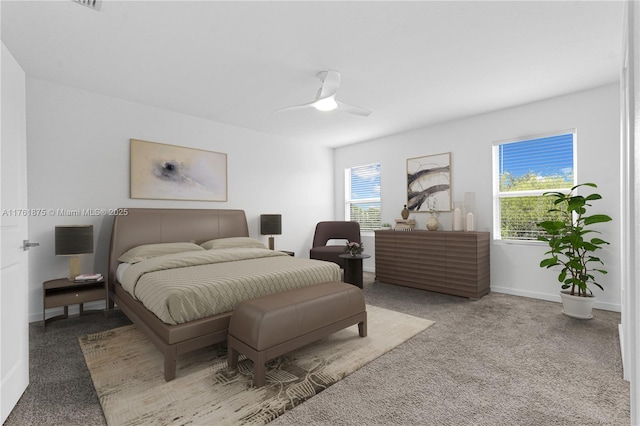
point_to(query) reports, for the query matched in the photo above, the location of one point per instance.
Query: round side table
(353, 268)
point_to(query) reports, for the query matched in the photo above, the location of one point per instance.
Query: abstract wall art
(429, 183)
(170, 172)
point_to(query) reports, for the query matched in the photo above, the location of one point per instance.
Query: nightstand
(63, 292)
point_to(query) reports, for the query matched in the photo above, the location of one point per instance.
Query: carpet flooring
(127, 373)
(500, 360)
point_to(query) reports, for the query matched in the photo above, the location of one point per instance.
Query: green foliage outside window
(369, 217)
(519, 215)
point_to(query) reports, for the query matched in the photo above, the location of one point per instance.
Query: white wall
(78, 158)
(514, 267)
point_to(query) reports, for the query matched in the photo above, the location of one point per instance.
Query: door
(14, 283)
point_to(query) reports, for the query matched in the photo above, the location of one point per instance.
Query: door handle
(26, 245)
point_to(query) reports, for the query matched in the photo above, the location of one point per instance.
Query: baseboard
(552, 298)
(523, 293)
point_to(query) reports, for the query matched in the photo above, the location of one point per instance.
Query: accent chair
(333, 230)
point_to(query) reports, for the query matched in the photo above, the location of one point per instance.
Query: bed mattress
(188, 286)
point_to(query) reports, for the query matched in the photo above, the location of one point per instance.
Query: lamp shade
(74, 239)
(270, 224)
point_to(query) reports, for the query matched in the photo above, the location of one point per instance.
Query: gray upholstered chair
(333, 230)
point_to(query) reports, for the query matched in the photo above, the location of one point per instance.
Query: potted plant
(572, 246)
(385, 226)
(354, 248)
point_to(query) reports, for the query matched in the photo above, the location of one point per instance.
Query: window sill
(520, 242)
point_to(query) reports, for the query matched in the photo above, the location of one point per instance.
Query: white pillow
(232, 242)
(148, 251)
(120, 271)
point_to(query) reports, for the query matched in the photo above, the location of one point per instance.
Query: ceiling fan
(325, 98)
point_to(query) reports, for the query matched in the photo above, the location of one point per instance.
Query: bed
(175, 335)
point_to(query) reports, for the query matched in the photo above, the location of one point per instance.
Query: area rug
(127, 372)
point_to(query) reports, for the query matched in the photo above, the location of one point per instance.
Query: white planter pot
(577, 306)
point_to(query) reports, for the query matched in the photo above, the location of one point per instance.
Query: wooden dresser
(448, 262)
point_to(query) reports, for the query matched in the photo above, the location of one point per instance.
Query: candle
(471, 223)
(457, 219)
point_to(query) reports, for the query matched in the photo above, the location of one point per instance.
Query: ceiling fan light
(326, 104)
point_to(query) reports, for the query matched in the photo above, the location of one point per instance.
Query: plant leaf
(596, 218)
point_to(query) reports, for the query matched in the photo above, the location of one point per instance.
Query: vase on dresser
(432, 222)
(405, 213)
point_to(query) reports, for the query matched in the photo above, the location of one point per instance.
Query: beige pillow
(147, 251)
(232, 242)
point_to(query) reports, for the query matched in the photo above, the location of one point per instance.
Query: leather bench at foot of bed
(270, 326)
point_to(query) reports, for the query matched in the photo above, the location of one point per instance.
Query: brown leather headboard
(148, 226)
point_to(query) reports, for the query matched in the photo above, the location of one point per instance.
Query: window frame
(498, 195)
(348, 200)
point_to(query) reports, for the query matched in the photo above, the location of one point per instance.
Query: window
(362, 196)
(523, 171)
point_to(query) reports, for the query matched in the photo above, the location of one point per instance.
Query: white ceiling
(412, 63)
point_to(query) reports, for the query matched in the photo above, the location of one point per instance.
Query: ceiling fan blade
(353, 109)
(325, 98)
(301, 106)
(330, 84)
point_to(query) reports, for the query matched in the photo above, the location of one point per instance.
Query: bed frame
(148, 226)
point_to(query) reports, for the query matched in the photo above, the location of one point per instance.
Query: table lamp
(72, 240)
(271, 224)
